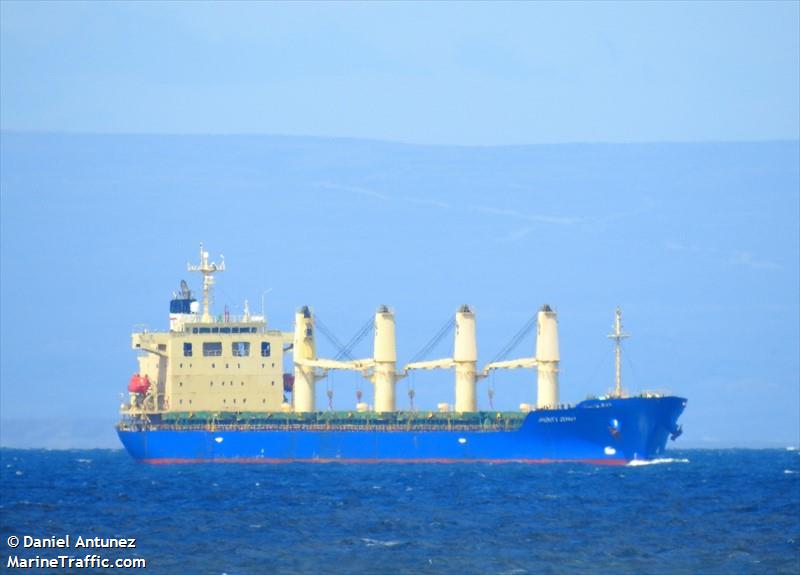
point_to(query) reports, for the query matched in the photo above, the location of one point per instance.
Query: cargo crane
(380, 369)
(545, 361)
(464, 361)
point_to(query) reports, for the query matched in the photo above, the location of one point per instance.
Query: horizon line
(56, 132)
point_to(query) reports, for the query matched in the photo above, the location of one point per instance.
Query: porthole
(211, 384)
(239, 365)
(180, 384)
(226, 366)
(213, 365)
(244, 400)
(181, 402)
(242, 383)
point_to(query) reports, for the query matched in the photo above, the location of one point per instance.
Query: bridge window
(212, 348)
(224, 330)
(205, 330)
(240, 348)
(265, 349)
(187, 349)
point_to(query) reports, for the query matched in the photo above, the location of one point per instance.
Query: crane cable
(344, 352)
(411, 391)
(356, 339)
(343, 349)
(515, 341)
(490, 392)
(505, 352)
(443, 331)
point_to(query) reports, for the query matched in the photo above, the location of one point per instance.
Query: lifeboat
(139, 384)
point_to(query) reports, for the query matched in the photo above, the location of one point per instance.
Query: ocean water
(702, 511)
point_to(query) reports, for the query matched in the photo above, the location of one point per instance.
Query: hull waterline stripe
(263, 460)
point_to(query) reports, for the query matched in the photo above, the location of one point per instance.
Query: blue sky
(484, 204)
(442, 73)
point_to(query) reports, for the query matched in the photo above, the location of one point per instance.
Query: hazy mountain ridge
(698, 242)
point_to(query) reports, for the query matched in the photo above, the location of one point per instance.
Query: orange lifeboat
(138, 384)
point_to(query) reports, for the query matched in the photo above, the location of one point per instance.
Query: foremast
(618, 335)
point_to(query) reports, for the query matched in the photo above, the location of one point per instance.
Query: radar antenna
(617, 335)
(208, 270)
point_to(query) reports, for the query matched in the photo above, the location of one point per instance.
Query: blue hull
(612, 431)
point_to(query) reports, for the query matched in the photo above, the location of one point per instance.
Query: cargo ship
(213, 389)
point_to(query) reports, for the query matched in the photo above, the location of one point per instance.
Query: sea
(698, 511)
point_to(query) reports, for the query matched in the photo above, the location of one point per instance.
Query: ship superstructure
(207, 363)
(215, 388)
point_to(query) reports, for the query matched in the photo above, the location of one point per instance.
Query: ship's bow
(647, 424)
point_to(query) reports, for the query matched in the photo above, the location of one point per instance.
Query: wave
(640, 462)
(379, 543)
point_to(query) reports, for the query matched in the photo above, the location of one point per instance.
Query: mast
(617, 335)
(208, 270)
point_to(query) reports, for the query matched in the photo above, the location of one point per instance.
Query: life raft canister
(139, 384)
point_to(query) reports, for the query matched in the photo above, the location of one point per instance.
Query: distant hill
(697, 242)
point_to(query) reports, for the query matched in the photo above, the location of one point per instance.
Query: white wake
(640, 462)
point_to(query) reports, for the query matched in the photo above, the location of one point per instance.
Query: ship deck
(326, 421)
